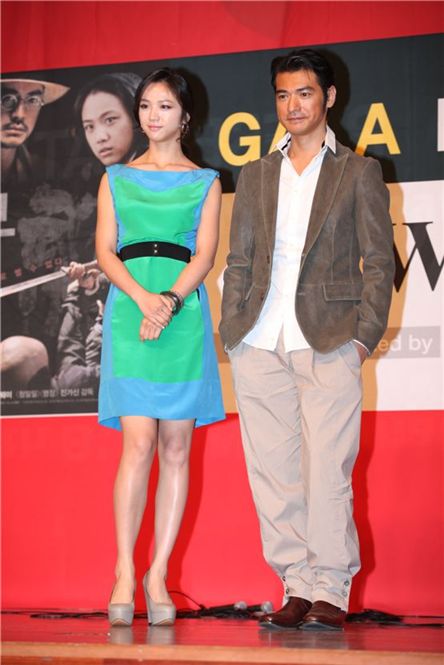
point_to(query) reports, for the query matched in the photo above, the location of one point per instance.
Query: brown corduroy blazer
(349, 221)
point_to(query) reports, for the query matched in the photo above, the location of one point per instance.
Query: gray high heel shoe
(121, 614)
(159, 614)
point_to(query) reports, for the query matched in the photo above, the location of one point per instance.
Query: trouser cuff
(297, 588)
(331, 598)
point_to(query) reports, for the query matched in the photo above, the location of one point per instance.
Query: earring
(184, 128)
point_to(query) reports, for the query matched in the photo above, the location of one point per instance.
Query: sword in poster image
(43, 279)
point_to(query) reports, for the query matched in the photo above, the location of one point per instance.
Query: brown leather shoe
(289, 616)
(323, 616)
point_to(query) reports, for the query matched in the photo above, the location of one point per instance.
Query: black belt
(168, 249)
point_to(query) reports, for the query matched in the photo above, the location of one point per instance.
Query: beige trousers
(300, 415)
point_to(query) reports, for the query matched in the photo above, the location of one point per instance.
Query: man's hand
(87, 278)
(362, 351)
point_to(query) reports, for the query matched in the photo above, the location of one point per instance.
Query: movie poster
(60, 129)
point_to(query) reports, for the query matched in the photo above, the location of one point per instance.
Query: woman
(104, 116)
(157, 234)
(104, 120)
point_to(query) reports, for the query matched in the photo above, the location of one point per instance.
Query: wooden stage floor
(27, 640)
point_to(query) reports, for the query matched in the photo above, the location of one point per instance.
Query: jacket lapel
(271, 171)
(329, 178)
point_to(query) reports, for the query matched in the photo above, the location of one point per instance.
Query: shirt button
(287, 590)
(346, 583)
(283, 578)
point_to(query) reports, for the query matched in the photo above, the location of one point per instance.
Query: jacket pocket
(342, 291)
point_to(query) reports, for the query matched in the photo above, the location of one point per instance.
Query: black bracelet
(176, 298)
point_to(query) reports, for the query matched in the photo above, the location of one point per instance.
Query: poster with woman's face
(109, 130)
(57, 140)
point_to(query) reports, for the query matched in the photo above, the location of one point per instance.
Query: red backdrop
(58, 546)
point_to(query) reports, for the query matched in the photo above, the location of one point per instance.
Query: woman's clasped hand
(157, 311)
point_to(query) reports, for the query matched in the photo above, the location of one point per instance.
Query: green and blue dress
(175, 376)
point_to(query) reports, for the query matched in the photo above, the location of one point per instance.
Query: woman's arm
(155, 308)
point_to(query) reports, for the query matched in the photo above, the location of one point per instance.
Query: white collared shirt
(295, 201)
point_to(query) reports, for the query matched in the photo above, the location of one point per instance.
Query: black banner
(75, 121)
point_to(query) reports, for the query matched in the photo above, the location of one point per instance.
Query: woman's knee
(139, 449)
(174, 450)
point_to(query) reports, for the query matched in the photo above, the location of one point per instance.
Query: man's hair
(308, 59)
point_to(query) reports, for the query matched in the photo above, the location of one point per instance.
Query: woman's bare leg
(173, 449)
(130, 490)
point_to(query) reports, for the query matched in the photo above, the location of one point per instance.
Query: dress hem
(113, 422)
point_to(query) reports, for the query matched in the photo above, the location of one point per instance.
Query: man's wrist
(363, 346)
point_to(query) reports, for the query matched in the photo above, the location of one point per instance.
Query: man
(24, 364)
(21, 103)
(298, 319)
(79, 340)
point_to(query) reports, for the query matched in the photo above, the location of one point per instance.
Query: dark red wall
(39, 35)
(58, 548)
